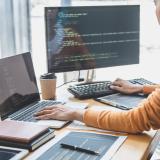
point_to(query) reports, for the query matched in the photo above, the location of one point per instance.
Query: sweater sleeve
(142, 118)
(149, 88)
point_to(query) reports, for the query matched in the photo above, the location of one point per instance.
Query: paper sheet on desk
(76, 125)
(76, 105)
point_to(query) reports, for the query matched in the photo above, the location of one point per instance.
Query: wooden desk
(136, 147)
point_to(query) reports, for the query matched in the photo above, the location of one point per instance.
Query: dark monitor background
(89, 37)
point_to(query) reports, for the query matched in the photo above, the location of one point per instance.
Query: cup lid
(48, 76)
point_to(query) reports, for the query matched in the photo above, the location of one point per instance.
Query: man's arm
(142, 118)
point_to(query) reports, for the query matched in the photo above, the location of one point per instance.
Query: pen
(68, 146)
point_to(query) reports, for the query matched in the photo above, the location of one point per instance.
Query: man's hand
(60, 112)
(126, 87)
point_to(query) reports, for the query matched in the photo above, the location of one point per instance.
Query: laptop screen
(18, 86)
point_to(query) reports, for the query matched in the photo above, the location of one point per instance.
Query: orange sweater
(142, 118)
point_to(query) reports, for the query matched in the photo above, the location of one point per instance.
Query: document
(77, 105)
(76, 125)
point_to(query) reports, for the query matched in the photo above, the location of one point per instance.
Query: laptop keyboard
(27, 114)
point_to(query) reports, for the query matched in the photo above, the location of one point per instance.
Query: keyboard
(141, 81)
(99, 88)
(91, 90)
(27, 113)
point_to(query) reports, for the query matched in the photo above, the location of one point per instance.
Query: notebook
(19, 94)
(24, 132)
(26, 135)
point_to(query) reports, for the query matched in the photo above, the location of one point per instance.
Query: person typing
(144, 117)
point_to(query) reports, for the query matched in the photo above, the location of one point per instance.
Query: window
(15, 27)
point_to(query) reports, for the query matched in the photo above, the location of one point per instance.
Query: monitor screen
(88, 37)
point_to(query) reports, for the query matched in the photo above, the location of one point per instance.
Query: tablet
(8, 153)
(122, 101)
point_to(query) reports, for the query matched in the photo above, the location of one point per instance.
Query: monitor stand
(88, 75)
(91, 74)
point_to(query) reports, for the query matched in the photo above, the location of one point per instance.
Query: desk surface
(136, 147)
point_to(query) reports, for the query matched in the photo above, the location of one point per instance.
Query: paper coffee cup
(48, 86)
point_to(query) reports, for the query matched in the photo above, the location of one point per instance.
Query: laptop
(19, 94)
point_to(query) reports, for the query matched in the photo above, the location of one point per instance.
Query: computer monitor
(89, 37)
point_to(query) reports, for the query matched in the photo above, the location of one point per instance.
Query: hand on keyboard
(126, 87)
(104, 88)
(59, 112)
